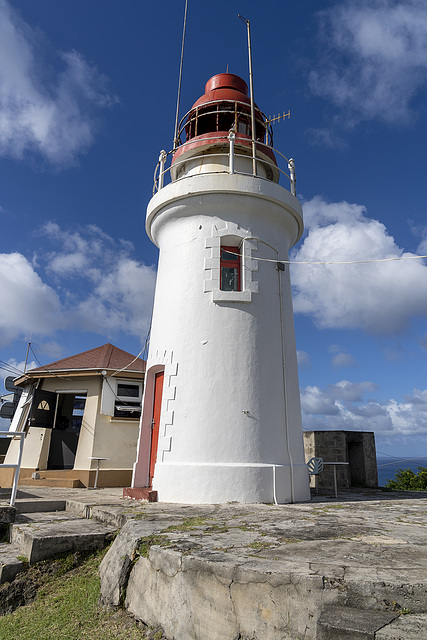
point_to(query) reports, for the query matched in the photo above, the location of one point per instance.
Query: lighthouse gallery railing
(162, 170)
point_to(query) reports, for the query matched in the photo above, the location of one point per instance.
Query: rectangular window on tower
(230, 269)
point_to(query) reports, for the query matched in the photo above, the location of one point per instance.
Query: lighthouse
(221, 417)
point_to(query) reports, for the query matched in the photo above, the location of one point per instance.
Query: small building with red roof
(79, 413)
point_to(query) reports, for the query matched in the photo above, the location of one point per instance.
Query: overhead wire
(143, 350)
(10, 368)
(320, 262)
(396, 460)
(56, 375)
(175, 136)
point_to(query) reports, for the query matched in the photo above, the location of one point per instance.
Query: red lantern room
(224, 107)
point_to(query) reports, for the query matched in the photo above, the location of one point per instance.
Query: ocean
(387, 467)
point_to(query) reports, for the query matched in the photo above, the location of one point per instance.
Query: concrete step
(38, 517)
(346, 623)
(66, 483)
(407, 627)
(37, 505)
(38, 540)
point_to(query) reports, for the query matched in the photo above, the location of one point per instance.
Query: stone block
(344, 623)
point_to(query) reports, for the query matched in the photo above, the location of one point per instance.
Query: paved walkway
(242, 567)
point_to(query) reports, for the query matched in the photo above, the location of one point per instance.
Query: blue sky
(87, 101)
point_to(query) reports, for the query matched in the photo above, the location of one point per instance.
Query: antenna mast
(175, 137)
(251, 88)
(26, 356)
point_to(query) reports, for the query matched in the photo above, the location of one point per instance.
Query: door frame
(156, 414)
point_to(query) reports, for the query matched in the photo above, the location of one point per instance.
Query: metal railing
(17, 466)
(161, 171)
(234, 112)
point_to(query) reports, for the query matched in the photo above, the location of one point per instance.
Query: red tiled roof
(106, 357)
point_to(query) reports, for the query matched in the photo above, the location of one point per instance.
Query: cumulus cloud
(89, 282)
(304, 360)
(351, 391)
(13, 368)
(345, 406)
(121, 300)
(27, 303)
(343, 360)
(46, 110)
(119, 290)
(378, 297)
(316, 402)
(373, 58)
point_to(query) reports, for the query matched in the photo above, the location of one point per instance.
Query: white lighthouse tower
(221, 412)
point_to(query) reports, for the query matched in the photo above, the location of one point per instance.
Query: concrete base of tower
(220, 483)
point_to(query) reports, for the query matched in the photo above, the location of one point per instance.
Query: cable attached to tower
(175, 136)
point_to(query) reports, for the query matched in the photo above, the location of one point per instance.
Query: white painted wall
(231, 422)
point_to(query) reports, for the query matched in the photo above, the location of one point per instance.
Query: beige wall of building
(101, 435)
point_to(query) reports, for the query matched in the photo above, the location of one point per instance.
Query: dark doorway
(66, 430)
(356, 460)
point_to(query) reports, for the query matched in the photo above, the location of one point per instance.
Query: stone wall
(357, 448)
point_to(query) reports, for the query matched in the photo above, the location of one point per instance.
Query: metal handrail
(160, 169)
(17, 466)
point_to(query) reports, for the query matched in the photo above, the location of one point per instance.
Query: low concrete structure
(78, 413)
(356, 448)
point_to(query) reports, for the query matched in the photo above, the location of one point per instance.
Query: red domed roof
(224, 86)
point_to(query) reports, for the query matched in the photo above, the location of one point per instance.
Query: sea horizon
(387, 467)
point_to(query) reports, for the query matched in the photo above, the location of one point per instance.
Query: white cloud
(14, 368)
(373, 58)
(343, 360)
(115, 291)
(90, 282)
(121, 300)
(50, 116)
(303, 359)
(343, 407)
(378, 297)
(27, 304)
(351, 391)
(317, 402)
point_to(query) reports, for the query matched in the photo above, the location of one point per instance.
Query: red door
(155, 423)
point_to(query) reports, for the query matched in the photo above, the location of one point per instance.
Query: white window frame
(124, 398)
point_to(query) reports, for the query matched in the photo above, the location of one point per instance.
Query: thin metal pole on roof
(175, 137)
(251, 89)
(26, 356)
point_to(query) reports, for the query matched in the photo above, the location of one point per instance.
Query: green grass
(67, 607)
(188, 524)
(145, 544)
